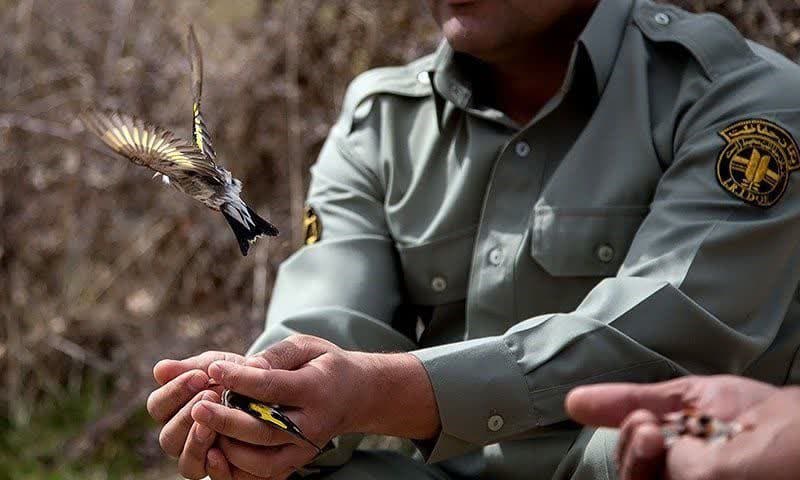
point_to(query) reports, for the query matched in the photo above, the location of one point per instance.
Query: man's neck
(524, 80)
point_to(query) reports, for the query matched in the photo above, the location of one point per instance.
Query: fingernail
(644, 449)
(214, 461)
(209, 397)
(217, 370)
(257, 362)
(198, 381)
(161, 362)
(201, 413)
(201, 432)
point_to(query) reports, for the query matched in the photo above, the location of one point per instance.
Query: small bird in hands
(190, 167)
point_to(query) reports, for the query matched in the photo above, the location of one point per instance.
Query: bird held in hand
(188, 166)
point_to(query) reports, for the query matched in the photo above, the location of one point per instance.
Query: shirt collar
(601, 40)
(603, 35)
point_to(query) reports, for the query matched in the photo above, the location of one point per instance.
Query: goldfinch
(190, 167)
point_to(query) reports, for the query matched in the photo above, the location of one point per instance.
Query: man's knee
(591, 457)
(380, 465)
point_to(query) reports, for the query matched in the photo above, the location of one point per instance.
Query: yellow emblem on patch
(312, 226)
(755, 164)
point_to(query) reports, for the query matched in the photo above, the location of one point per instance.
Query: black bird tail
(246, 234)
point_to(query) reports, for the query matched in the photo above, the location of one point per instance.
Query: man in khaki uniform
(521, 225)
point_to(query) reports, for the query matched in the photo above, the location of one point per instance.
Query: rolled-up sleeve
(704, 289)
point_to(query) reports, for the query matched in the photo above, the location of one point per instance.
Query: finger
(172, 437)
(239, 425)
(217, 465)
(607, 405)
(645, 457)
(284, 475)
(270, 386)
(166, 370)
(692, 457)
(192, 462)
(265, 461)
(165, 401)
(242, 475)
(290, 354)
(628, 428)
(779, 401)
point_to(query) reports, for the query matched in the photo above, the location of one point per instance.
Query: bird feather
(200, 133)
(151, 146)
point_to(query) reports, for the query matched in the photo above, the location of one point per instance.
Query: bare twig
(14, 371)
(773, 24)
(80, 354)
(294, 155)
(260, 272)
(123, 407)
(36, 125)
(148, 238)
(116, 42)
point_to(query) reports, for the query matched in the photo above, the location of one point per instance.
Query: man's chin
(466, 40)
(475, 37)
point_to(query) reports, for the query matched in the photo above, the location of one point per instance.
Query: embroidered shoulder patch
(312, 226)
(755, 164)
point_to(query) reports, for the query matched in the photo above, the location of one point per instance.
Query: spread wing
(200, 133)
(150, 146)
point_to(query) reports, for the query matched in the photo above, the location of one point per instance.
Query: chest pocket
(583, 242)
(437, 272)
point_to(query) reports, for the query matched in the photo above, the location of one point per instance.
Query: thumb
(607, 405)
(290, 354)
(258, 361)
(167, 370)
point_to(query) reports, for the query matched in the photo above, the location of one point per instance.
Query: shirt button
(496, 256)
(605, 253)
(424, 78)
(661, 18)
(522, 149)
(438, 284)
(495, 423)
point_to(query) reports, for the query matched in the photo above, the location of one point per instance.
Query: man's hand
(184, 383)
(637, 411)
(326, 391)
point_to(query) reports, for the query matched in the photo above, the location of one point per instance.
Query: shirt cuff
(481, 394)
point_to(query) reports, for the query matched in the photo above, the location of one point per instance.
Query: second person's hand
(637, 410)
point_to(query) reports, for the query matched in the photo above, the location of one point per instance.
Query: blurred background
(102, 271)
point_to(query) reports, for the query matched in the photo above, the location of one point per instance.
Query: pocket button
(496, 257)
(495, 423)
(522, 149)
(438, 284)
(605, 253)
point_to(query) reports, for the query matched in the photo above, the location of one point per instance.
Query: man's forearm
(399, 397)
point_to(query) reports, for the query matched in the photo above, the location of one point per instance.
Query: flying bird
(189, 166)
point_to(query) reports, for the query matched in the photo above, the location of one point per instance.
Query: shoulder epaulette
(714, 42)
(406, 80)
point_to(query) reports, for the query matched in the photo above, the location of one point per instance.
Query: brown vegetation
(103, 272)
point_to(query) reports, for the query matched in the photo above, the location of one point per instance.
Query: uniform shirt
(644, 225)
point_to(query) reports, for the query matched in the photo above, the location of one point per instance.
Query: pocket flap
(584, 242)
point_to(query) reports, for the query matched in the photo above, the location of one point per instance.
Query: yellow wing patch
(265, 413)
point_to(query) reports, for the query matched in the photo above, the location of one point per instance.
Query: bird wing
(200, 133)
(151, 146)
